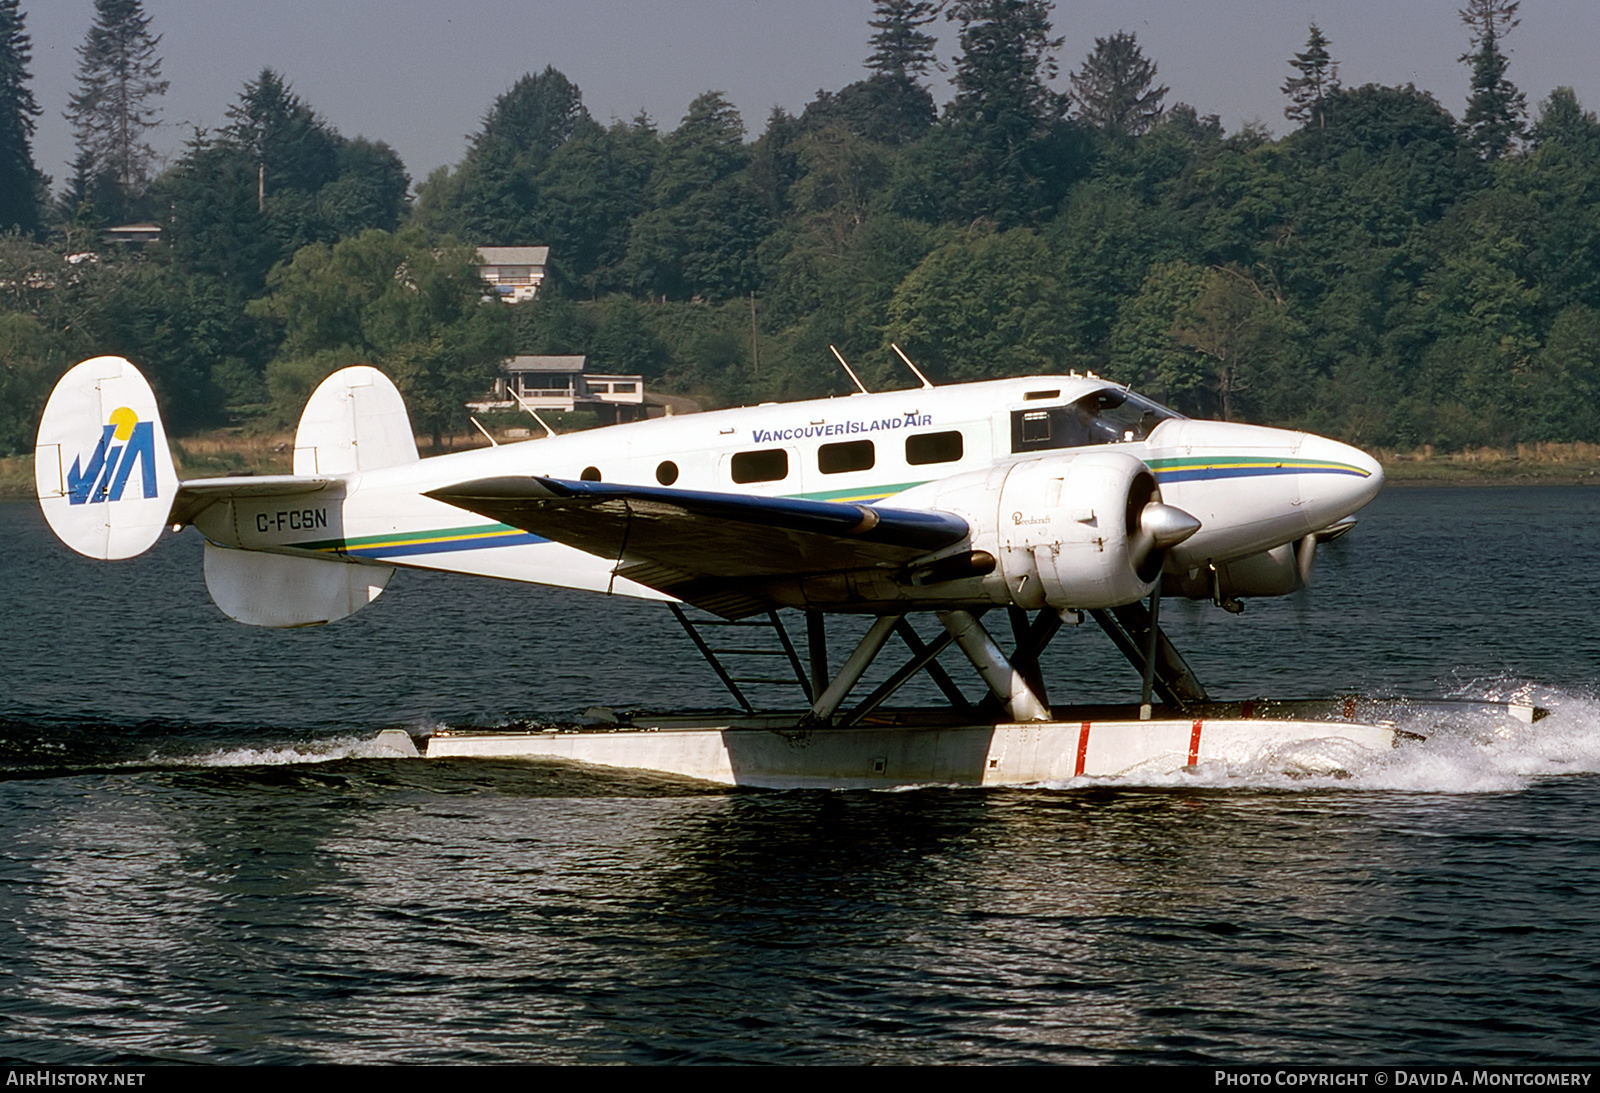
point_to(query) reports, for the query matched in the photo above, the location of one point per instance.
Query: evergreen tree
(1005, 63)
(900, 48)
(890, 106)
(1319, 77)
(1113, 88)
(289, 144)
(537, 116)
(119, 79)
(1495, 108)
(21, 184)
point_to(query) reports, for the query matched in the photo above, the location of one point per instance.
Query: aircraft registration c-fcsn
(1046, 496)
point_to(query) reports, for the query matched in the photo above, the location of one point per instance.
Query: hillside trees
(1114, 89)
(21, 184)
(119, 81)
(891, 106)
(984, 305)
(1318, 78)
(1000, 151)
(703, 221)
(1495, 108)
(398, 301)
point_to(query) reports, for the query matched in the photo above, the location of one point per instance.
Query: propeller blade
(1305, 558)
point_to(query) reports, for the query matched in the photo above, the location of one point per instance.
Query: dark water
(202, 861)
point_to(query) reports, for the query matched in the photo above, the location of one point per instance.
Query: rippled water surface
(202, 858)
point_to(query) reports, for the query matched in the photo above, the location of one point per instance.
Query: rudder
(102, 467)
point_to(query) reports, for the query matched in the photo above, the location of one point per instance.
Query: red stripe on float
(1083, 746)
(1194, 743)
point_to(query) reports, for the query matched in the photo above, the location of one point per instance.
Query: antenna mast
(914, 368)
(847, 368)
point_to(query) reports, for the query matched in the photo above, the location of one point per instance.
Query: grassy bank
(234, 452)
(1548, 464)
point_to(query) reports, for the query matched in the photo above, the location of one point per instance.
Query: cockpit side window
(1111, 415)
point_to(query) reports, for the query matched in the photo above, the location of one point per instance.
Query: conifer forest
(1383, 272)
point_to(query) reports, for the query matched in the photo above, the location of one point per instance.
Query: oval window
(666, 472)
(590, 474)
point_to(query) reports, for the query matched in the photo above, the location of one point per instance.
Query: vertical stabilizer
(354, 421)
(102, 467)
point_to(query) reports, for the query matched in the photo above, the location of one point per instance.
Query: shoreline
(213, 456)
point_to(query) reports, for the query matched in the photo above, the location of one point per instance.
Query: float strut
(1150, 651)
(1005, 682)
(829, 701)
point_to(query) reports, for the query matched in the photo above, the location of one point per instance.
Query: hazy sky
(421, 74)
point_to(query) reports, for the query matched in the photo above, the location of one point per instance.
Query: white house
(560, 383)
(513, 272)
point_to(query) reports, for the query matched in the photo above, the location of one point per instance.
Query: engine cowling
(1284, 569)
(1085, 530)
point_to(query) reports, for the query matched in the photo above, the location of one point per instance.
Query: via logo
(124, 441)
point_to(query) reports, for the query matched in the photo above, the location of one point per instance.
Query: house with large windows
(559, 383)
(513, 272)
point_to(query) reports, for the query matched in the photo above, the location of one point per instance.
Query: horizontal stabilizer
(195, 495)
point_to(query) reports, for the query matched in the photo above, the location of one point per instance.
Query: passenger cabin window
(1108, 416)
(925, 448)
(851, 455)
(770, 465)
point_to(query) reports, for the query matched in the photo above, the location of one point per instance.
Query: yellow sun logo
(124, 419)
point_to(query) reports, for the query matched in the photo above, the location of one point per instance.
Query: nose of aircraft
(1336, 479)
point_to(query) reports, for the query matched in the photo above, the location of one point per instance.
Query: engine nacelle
(1082, 530)
(1276, 572)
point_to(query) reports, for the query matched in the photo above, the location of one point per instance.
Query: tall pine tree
(291, 147)
(1004, 64)
(900, 47)
(1318, 78)
(1495, 109)
(119, 81)
(1113, 88)
(21, 184)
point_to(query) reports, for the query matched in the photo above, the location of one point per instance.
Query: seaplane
(1042, 500)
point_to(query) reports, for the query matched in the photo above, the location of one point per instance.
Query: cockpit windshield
(1111, 415)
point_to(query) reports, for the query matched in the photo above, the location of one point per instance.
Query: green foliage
(704, 219)
(288, 143)
(1003, 72)
(119, 81)
(1382, 274)
(1318, 78)
(400, 302)
(25, 375)
(1114, 89)
(984, 305)
(21, 184)
(1495, 108)
(900, 47)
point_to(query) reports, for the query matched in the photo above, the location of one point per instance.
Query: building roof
(544, 364)
(514, 256)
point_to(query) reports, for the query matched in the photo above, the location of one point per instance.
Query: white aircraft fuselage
(969, 449)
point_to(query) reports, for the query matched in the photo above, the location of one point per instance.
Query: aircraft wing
(710, 549)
